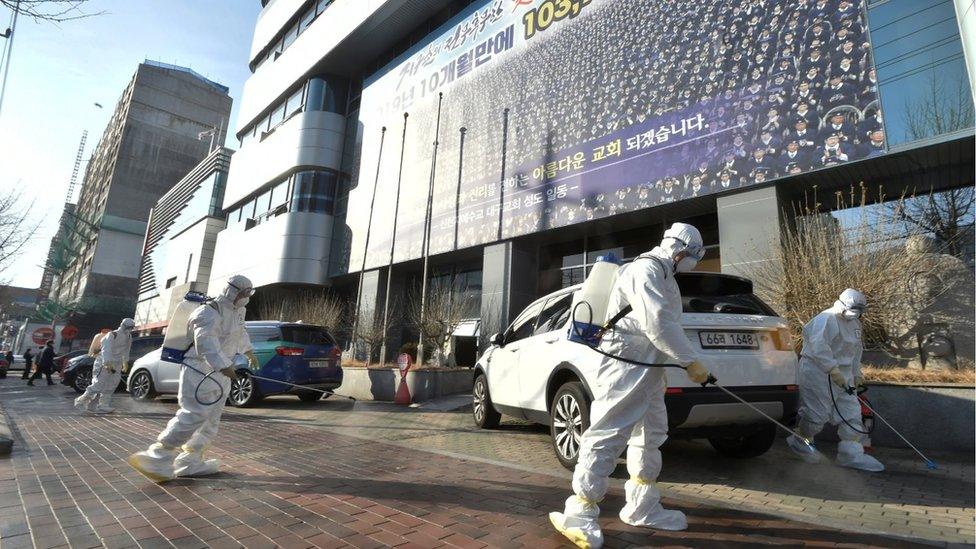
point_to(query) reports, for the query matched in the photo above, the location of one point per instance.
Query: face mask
(850, 314)
(686, 264)
(242, 302)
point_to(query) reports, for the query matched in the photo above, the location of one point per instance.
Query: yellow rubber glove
(697, 373)
(838, 377)
(111, 367)
(229, 372)
(859, 381)
(252, 360)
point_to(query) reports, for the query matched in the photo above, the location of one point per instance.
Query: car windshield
(306, 335)
(712, 293)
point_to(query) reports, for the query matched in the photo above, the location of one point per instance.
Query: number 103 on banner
(551, 11)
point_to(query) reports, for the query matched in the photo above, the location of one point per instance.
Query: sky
(59, 71)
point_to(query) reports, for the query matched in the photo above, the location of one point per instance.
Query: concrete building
(516, 142)
(151, 141)
(178, 251)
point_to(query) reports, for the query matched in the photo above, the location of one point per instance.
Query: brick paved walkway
(906, 500)
(295, 485)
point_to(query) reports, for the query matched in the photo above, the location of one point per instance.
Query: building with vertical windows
(177, 254)
(510, 143)
(151, 141)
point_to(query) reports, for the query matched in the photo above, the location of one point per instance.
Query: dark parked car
(61, 361)
(78, 373)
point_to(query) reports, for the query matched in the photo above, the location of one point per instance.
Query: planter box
(931, 416)
(381, 383)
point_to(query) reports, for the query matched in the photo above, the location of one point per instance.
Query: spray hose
(851, 391)
(710, 381)
(220, 388)
(196, 392)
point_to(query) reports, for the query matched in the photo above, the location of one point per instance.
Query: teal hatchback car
(300, 354)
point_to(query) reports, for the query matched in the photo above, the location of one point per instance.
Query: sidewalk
(295, 485)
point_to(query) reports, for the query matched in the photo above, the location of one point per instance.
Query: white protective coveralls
(110, 360)
(218, 335)
(628, 400)
(832, 339)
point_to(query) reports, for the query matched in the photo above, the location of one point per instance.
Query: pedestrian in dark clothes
(28, 363)
(45, 364)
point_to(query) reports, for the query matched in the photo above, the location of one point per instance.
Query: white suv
(532, 371)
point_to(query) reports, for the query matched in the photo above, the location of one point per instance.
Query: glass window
(328, 94)
(294, 103)
(279, 195)
(921, 70)
(247, 211)
(307, 19)
(554, 311)
(314, 192)
(321, 5)
(524, 325)
(263, 203)
(234, 216)
(277, 116)
(261, 334)
(289, 37)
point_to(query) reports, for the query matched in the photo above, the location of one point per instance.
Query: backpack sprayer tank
(179, 338)
(589, 311)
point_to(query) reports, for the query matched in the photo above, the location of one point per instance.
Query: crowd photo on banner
(629, 105)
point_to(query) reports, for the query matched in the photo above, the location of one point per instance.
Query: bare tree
(946, 216)
(309, 306)
(942, 107)
(369, 329)
(818, 258)
(445, 308)
(17, 226)
(53, 11)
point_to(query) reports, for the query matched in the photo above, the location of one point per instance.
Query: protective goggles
(241, 294)
(695, 251)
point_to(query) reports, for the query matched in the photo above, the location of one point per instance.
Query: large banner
(528, 115)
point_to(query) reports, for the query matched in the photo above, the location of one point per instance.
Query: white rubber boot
(192, 464)
(156, 463)
(851, 454)
(579, 523)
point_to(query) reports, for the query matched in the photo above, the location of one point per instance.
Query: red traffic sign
(69, 332)
(42, 335)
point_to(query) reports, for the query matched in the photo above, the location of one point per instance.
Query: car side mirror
(497, 340)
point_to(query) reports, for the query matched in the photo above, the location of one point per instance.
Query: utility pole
(428, 221)
(389, 267)
(8, 51)
(369, 227)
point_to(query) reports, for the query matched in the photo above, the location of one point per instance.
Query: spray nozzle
(930, 465)
(710, 381)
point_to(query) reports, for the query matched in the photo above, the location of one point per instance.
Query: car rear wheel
(243, 391)
(142, 387)
(570, 415)
(310, 396)
(482, 409)
(748, 446)
(82, 380)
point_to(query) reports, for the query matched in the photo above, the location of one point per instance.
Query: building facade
(178, 250)
(511, 142)
(151, 141)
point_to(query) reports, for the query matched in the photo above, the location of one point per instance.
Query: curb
(6, 438)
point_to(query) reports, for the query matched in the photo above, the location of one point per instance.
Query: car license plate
(319, 363)
(728, 340)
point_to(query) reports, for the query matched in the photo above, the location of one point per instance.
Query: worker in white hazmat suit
(830, 363)
(218, 335)
(111, 360)
(628, 407)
